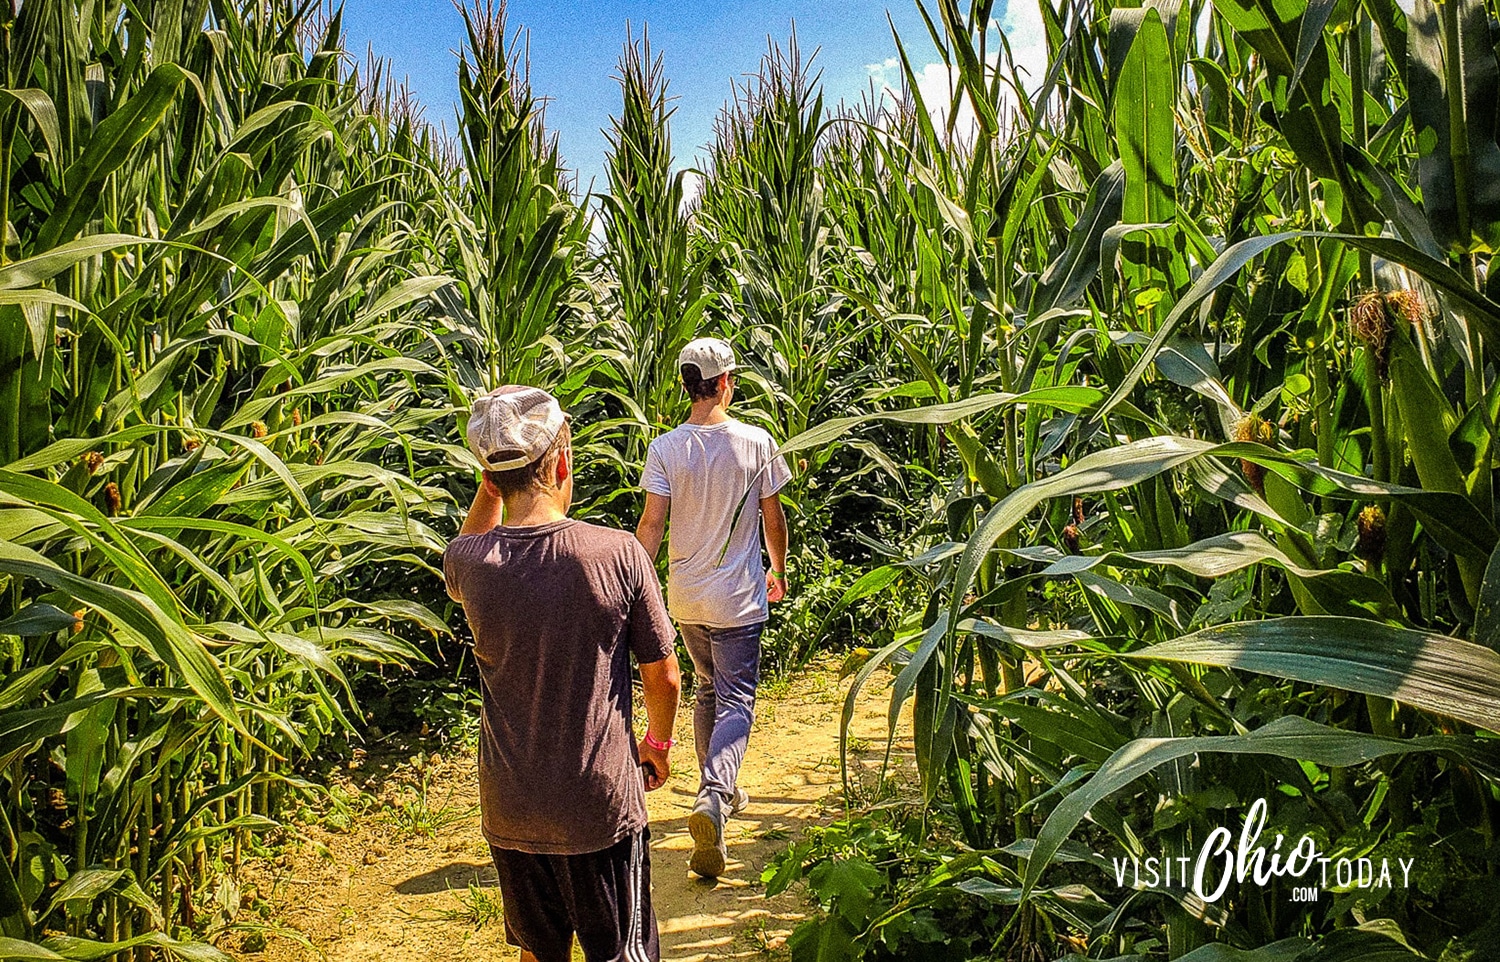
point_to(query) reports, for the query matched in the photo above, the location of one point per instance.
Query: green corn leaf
(1069, 398)
(1338, 590)
(33, 270)
(1071, 272)
(167, 638)
(112, 143)
(88, 884)
(23, 951)
(1478, 308)
(1310, 35)
(21, 727)
(76, 949)
(851, 700)
(1487, 610)
(1284, 950)
(36, 305)
(408, 291)
(67, 449)
(1452, 516)
(870, 583)
(1145, 125)
(1069, 275)
(38, 618)
(1434, 672)
(1455, 104)
(44, 112)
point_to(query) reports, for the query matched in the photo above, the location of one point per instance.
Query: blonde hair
(538, 474)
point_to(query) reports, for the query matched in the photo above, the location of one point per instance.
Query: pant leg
(696, 638)
(536, 918)
(608, 898)
(736, 673)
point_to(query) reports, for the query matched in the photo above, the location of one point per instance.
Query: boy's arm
(773, 523)
(484, 513)
(661, 683)
(653, 524)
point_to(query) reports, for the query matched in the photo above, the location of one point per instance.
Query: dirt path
(384, 891)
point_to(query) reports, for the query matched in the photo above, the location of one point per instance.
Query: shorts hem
(532, 847)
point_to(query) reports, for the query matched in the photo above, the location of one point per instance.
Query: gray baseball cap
(512, 426)
(710, 355)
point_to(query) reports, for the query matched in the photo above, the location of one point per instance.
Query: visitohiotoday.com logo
(1222, 860)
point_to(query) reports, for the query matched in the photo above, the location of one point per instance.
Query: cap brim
(510, 465)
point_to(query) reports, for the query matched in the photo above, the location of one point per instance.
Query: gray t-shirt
(706, 469)
(556, 610)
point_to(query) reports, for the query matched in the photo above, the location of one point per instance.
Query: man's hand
(775, 587)
(660, 686)
(658, 768)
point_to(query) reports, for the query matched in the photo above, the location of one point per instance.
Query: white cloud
(1021, 23)
(1022, 26)
(692, 186)
(935, 83)
(883, 72)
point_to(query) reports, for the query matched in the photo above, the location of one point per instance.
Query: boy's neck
(708, 411)
(529, 510)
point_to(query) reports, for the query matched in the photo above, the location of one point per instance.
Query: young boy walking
(697, 476)
(557, 607)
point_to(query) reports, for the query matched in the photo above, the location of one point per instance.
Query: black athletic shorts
(603, 897)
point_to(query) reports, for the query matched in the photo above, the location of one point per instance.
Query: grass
(766, 943)
(775, 688)
(479, 905)
(415, 814)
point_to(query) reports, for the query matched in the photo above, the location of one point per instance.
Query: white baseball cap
(709, 355)
(512, 426)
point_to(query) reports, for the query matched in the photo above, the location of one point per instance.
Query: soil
(408, 880)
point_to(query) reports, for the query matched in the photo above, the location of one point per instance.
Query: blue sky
(575, 46)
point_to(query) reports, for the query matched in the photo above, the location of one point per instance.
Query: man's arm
(661, 683)
(773, 522)
(484, 513)
(653, 523)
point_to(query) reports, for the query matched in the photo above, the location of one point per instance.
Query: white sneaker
(706, 825)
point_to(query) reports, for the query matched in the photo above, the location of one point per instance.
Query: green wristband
(778, 575)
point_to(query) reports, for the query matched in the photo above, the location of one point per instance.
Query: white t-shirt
(706, 469)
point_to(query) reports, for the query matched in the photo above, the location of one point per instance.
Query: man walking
(716, 480)
(557, 607)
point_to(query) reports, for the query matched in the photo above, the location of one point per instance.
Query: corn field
(1143, 416)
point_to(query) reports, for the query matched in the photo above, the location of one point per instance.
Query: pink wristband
(651, 742)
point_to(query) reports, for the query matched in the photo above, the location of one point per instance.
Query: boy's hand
(654, 766)
(775, 587)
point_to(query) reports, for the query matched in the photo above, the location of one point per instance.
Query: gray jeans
(727, 664)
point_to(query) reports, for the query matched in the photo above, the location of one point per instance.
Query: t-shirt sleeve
(453, 567)
(654, 475)
(652, 636)
(776, 474)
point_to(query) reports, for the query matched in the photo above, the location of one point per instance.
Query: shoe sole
(708, 856)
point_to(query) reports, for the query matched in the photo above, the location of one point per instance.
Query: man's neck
(708, 412)
(528, 511)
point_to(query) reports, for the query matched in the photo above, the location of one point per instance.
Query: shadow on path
(456, 876)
